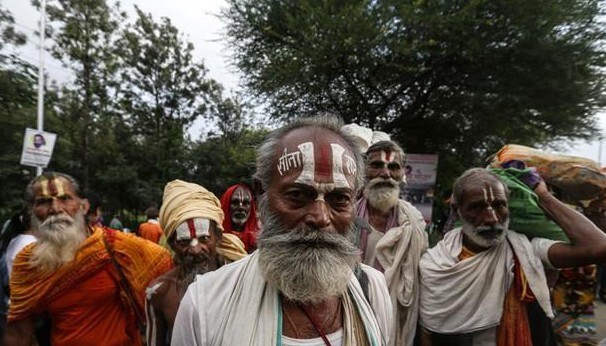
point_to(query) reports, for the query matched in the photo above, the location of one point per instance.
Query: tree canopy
(122, 119)
(458, 78)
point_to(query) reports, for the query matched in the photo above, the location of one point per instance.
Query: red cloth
(251, 228)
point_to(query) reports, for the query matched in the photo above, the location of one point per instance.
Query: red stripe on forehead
(323, 167)
(389, 156)
(52, 187)
(192, 228)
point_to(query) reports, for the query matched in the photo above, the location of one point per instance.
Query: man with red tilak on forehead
(240, 215)
(299, 287)
(191, 216)
(72, 274)
(485, 284)
(392, 235)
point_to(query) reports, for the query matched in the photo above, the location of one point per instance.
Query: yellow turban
(183, 201)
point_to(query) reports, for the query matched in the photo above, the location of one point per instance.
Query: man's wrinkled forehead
(316, 156)
(241, 194)
(53, 187)
(193, 229)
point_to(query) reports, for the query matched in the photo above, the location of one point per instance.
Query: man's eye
(296, 195)
(183, 242)
(394, 166)
(204, 238)
(499, 204)
(376, 165)
(339, 199)
(43, 201)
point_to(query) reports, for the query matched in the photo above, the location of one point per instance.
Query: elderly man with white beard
(485, 284)
(392, 235)
(299, 287)
(89, 281)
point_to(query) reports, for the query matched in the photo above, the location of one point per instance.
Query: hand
(541, 187)
(531, 178)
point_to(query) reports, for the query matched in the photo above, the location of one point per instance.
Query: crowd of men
(321, 252)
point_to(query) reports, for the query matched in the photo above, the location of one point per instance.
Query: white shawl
(236, 306)
(467, 296)
(399, 252)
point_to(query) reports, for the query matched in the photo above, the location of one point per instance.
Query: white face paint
(192, 229)
(489, 198)
(326, 165)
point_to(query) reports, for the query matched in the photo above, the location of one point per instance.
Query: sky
(198, 20)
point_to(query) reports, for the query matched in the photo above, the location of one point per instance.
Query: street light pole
(41, 74)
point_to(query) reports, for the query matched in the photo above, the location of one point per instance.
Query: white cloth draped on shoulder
(399, 252)
(467, 296)
(236, 306)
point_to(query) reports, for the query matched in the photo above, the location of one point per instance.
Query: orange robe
(150, 231)
(83, 299)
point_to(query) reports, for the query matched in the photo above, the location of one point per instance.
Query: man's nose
(489, 217)
(384, 172)
(318, 215)
(55, 207)
(197, 249)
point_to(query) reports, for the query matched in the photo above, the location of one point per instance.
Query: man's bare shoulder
(161, 285)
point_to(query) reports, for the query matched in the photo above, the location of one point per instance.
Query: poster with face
(37, 148)
(421, 171)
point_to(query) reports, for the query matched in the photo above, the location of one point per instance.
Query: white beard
(382, 194)
(475, 233)
(59, 238)
(306, 265)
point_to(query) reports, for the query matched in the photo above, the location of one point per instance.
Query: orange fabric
(140, 261)
(94, 299)
(150, 231)
(514, 328)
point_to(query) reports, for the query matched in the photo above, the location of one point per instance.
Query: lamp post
(41, 75)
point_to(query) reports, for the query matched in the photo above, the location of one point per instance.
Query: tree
(458, 78)
(17, 111)
(83, 33)
(164, 92)
(222, 161)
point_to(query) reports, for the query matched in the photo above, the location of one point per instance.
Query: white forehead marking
(337, 166)
(309, 163)
(201, 227)
(289, 160)
(307, 175)
(193, 242)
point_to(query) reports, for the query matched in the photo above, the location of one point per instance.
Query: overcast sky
(197, 19)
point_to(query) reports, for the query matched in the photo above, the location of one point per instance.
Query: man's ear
(85, 205)
(455, 210)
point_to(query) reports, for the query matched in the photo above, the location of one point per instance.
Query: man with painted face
(72, 273)
(240, 215)
(392, 234)
(485, 284)
(299, 287)
(191, 216)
